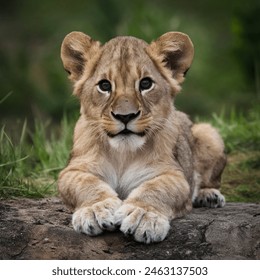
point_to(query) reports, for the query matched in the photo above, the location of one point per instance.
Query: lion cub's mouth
(126, 132)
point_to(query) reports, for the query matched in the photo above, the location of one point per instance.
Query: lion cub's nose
(126, 118)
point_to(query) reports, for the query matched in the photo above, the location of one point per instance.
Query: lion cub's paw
(211, 198)
(145, 226)
(96, 218)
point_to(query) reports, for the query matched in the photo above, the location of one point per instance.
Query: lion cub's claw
(145, 226)
(95, 219)
(211, 198)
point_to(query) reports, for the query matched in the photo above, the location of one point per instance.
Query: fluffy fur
(139, 180)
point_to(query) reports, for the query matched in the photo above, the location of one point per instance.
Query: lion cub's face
(126, 86)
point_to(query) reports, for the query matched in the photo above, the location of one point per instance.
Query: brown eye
(104, 86)
(146, 84)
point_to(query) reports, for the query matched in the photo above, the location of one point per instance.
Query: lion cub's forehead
(123, 54)
(124, 46)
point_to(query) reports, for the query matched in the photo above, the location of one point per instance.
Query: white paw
(145, 226)
(96, 218)
(211, 198)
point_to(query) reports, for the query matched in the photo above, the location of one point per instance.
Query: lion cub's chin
(127, 142)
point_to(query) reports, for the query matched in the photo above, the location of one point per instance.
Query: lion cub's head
(126, 86)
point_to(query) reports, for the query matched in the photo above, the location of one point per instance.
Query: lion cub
(136, 162)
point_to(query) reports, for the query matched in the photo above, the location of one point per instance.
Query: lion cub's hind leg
(210, 161)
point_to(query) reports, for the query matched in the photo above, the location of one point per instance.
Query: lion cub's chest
(123, 179)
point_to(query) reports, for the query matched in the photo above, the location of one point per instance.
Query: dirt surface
(41, 229)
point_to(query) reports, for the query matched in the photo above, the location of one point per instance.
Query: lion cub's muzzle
(126, 119)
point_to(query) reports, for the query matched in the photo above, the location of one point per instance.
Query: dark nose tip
(126, 118)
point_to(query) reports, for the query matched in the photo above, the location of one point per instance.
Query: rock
(41, 229)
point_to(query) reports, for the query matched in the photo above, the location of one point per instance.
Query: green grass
(30, 163)
(241, 134)
(241, 178)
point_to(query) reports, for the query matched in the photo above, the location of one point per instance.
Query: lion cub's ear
(76, 50)
(175, 51)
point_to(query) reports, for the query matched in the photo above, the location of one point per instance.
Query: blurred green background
(226, 35)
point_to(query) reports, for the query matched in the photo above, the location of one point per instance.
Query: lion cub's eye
(146, 84)
(104, 86)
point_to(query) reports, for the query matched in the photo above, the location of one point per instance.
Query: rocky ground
(41, 229)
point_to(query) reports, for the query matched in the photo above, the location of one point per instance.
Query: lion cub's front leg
(94, 201)
(147, 212)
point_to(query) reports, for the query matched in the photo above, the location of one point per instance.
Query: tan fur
(143, 180)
